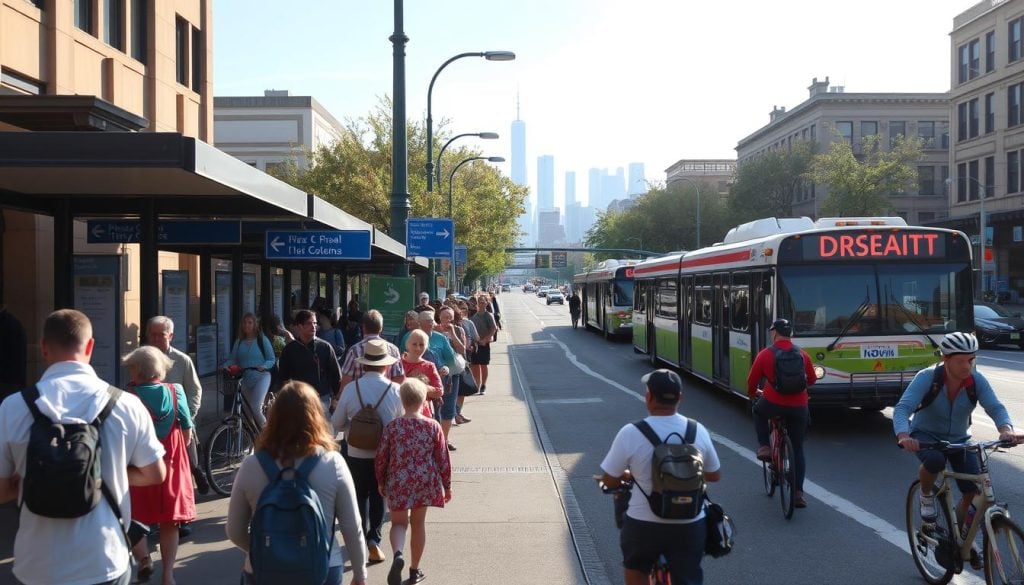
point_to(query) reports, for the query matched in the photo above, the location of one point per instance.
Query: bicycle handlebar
(946, 446)
(625, 486)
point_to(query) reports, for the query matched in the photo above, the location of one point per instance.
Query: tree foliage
(861, 186)
(765, 185)
(354, 174)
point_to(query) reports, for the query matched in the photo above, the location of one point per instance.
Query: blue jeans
(450, 399)
(333, 577)
(797, 419)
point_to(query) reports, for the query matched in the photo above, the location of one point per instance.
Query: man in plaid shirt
(373, 324)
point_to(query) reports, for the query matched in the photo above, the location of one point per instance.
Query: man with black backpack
(74, 491)
(670, 459)
(788, 372)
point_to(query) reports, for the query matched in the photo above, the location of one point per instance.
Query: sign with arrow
(392, 296)
(127, 231)
(430, 237)
(317, 245)
(461, 254)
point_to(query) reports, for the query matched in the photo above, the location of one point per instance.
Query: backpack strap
(307, 466)
(30, 395)
(115, 394)
(648, 432)
(383, 395)
(268, 464)
(691, 431)
(359, 394)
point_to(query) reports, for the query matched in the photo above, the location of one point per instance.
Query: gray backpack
(677, 474)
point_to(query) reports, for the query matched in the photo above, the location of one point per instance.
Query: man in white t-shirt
(645, 536)
(91, 549)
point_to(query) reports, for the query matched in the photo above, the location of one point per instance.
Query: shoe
(415, 576)
(184, 530)
(927, 508)
(395, 574)
(483, 389)
(202, 486)
(459, 419)
(764, 453)
(376, 555)
(452, 447)
(976, 561)
(799, 501)
(145, 570)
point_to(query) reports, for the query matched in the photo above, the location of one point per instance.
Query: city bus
(606, 293)
(869, 298)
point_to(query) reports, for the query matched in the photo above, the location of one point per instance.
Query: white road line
(995, 359)
(883, 529)
(569, 401)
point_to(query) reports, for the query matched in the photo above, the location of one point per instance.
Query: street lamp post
(639, 240)
(484, 135)
(399, 140)
(696, 188)
(490, 56)
(981, 230)
(451, 181)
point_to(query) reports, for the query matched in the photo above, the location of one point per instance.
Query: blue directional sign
(461, 254)
(430, 237)
(126, 231)
(318, 245)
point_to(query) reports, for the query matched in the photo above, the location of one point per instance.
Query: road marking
(995, 359)
(883, 529)
(569, 401)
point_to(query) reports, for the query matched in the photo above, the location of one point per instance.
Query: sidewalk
(505, 522)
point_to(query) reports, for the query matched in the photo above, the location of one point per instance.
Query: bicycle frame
(778, 430)
(984, 502)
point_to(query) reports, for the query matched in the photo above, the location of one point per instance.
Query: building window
(113, 23)
(990, 176)
(21, 83)
(961, 182)
(964, 63)
(990, 51)
(181, 50)
(945, 135)
(814, 135)
(197, 60)
(896, 129)
(140, 30)
(845, 130)
(1012, 172)
(975, 69)
(990, 113)
(1013, 105)
(926, 180)
(926, 132)
(945, 177)
(961, 122)
(972, 118)
(974, 179)
(83, 15)
(868, 129)
(1013, 40)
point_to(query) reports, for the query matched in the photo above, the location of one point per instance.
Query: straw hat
(377, 354)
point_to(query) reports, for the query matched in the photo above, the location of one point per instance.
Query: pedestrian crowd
(354, 426)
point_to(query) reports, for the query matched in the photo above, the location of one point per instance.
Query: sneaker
(927, 511)
(184, 530)
(395, 574)
(799, 501)
(415, 576)
(764, 453)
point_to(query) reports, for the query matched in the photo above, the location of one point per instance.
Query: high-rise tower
(545, 182)
(570, 188)
(518, 159)
(637, 183)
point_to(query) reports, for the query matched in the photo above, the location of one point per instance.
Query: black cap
(783, 327)
(665, 385)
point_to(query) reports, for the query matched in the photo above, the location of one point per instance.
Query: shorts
(481, 356)
(962, 462)
(682, 544)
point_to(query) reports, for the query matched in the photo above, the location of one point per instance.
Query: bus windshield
(881, 299)
(623, 293)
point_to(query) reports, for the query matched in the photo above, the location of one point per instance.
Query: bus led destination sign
(874, 245)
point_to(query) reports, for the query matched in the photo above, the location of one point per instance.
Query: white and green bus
(869, 298)
(606, 293)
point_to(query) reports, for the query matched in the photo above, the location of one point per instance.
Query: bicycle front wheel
(768, 473)
(1004, 552)
(787, 476)
(931, 544)
(230, 443)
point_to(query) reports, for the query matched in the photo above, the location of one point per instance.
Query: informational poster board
(277, 288)
(175, 305)
(206, 349)
(222, 283)
(392, 296)
(248, 293)
(97, 293)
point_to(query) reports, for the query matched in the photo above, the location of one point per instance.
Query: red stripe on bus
(738, 256)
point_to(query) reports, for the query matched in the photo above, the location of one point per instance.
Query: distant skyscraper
(637, 183)
(612, 187)
(545, 182)
(570, 189)
(518, 160)
(594, 187)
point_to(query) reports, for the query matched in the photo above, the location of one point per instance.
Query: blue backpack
(289, 539)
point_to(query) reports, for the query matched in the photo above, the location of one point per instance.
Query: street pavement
(505, 521)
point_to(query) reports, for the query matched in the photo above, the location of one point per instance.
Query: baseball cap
(783, 327)
(424, 295)
(665, 385)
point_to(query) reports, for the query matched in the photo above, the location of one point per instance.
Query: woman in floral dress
(413, 472)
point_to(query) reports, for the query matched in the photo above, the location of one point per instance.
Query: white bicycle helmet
(958, 342)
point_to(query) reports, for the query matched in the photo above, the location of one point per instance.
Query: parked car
(995, 325)
(555, 296)
(528, 288)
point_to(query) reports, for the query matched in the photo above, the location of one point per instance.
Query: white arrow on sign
(276, 244)
(98, 231)
(391, 296)
(444, 234)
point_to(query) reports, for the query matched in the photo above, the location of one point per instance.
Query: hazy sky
(602, 83)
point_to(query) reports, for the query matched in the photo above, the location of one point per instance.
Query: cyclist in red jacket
(787, 398)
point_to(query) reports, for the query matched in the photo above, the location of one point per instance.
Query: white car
(555, 296)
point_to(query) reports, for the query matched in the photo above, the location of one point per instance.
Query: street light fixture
(490, 56)
(696, 187)
(484, 135)
(982, 236)
(451, 180)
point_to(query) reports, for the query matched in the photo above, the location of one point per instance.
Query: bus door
(720, 328)
(641, 320)
(685, 319)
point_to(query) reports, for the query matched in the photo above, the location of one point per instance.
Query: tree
(354, 174)
(765, 185)
(861, 186)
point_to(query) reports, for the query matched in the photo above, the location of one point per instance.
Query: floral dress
(412, 464)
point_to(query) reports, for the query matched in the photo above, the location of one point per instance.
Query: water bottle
(968, 519)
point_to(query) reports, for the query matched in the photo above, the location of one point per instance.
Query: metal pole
(430, 118)
(399, 142)
(984, 193)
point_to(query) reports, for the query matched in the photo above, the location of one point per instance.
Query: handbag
(459, 366)
(468, 386)
(720, 530)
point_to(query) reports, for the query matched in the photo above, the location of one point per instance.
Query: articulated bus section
(868, 298)
(607, 297)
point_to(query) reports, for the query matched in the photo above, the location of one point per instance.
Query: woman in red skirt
(172, 501)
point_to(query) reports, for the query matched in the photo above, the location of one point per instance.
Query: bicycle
(780, 472)
(659, 572)
(234, 438)
(940, 548)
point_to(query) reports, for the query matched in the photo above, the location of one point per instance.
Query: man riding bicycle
(644, 535)
(941, 408)
(783, 398)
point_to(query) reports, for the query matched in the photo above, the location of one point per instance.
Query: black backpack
(938, 380)
(62, 463)
(677, 474)
(790, 376)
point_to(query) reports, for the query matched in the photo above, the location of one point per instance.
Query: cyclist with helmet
(947, 417)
